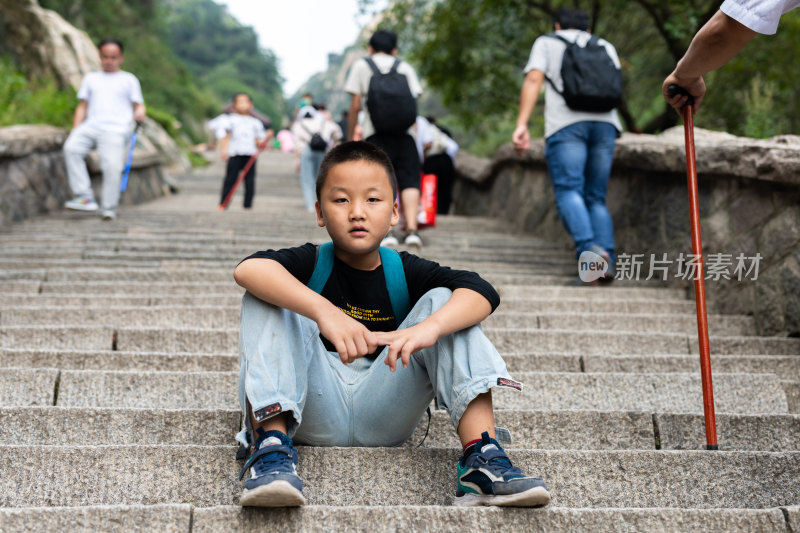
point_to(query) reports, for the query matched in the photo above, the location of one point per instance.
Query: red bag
(426, 217)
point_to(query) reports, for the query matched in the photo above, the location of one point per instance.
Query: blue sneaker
(486, 477)
(273, 474)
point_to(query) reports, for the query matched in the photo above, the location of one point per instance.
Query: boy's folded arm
(465, 308)
(268, 280)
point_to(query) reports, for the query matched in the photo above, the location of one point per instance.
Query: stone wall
(33, 177)
(749, 204)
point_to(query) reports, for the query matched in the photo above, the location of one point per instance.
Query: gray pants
(111, 149)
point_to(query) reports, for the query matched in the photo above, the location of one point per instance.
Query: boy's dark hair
(355, 151)
(576, 19)
(383, 41)
(104, 42)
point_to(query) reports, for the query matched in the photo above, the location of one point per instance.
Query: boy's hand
(349, 336)
(403, 342)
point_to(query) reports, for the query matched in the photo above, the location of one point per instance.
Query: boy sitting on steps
(320, 368)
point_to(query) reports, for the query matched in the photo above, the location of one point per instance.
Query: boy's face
(242, 104)
(110, 57)
(357, 208)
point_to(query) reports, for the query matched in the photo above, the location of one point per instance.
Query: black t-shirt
(362, 294)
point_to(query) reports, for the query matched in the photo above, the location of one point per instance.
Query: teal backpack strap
(395, 283)
(322, 268)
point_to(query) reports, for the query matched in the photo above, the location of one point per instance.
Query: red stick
(699, 282)
(242, 174)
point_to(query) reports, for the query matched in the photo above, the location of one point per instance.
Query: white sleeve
(538, 57)
(761, 16)
(411, 76)
(355, 83)
(136, 91)
(85, 90)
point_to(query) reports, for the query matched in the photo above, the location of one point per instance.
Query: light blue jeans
(309, 166)
(579, 160)
(284, 367)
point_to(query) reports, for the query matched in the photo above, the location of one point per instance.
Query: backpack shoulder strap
(322, 267)
(560, 38)
(394, 66)
(395, 283)
(372, 66)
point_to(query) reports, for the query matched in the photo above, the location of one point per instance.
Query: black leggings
(235, 165)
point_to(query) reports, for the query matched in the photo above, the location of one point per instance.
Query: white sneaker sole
(80, 207)
(535, 497)
(277, 494)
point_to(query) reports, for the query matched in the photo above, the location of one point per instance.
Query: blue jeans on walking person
(579, 160)
(310, 160)
(284, 367)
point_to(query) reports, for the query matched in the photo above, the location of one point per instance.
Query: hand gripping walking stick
(242, 174)
(699, 281)
(124, 183)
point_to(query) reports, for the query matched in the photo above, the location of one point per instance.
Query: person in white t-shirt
(109, 100)
(243, 134)
(579, 145)
(311, 120)
(719, 40)
(401, 148)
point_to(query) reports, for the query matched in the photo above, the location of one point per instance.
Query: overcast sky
(300, 32)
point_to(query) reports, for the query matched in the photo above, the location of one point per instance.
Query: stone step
(57, 337)
(618, 322)
(218, 317)
(509, 340)
(447, 519)
(507, 292)
(27, 386)
(456, 519)
(780, 365)
(167, 518)
(116, 360)
(674, 392)
(128, 475)
(60, 426)
(20, 286)
(770, 433)
(232, 298)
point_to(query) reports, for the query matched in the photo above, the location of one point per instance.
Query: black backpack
(317, 142)
(592, 82)
(392, 108)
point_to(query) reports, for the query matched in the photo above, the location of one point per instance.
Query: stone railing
(33, 177)
(749, 205)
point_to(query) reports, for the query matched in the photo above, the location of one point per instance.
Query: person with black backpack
(387, 89)
(583, 86)
(314, 134)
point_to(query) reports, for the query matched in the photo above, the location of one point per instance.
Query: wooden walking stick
(699, 281)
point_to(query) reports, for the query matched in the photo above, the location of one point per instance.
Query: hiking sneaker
(412, 239)
(108, 214)
(273, 475)
(390, 241)
(82, 203)
(486, 477)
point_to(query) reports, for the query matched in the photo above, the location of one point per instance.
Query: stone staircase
(118, 371)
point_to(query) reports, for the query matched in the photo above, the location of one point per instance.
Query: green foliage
(761, 120)
(39, 102)
(224, 56)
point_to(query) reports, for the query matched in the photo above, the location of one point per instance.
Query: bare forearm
(528, 96)
(465, 308)
(139, 112)
(719, 40)
(352, 114)
(80, 114)
(268, 280)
